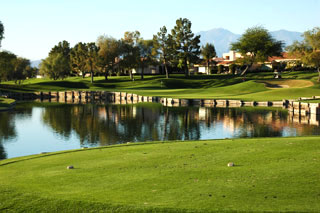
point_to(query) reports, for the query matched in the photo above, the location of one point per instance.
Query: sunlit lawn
(200, 86)
(270, 174)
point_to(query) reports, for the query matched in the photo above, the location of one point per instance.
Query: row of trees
(308, 50)
(15, 68)
(180, 49)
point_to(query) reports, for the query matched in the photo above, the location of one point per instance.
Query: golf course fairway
(270, 174)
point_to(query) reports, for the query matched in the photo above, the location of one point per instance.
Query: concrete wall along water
(297, 108)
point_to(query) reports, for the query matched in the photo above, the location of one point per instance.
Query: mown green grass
(194, 87)
(311, 101)
(5, 103)
(271, 174)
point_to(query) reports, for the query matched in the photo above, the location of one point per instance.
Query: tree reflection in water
(112, 124)
(98, 125)
(7, 126)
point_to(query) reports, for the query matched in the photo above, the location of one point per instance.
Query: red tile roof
(285, 56)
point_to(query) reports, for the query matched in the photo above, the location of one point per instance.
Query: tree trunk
(208, 68)
(130, 73)
(142, 71)
(91, 76)
(83, 74)
(166, 69)
(106, 74)
(245, 70)
(186, 70)
(319, 74)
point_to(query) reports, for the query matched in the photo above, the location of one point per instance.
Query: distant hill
(35, 63)
(221, 38)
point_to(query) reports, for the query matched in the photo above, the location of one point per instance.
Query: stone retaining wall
(294, 106)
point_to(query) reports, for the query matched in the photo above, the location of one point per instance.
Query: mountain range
(35, 63)
(221, 38)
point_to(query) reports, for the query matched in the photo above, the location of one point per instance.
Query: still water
(33, 128)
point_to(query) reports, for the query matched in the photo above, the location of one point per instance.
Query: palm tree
(208, 52)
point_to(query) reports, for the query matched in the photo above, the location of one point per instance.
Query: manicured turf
(271, 174)
(253, 87)
(5, 103)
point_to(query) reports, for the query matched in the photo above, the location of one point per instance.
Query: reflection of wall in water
(310, 119)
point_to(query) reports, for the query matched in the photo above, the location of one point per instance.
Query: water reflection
(111, 124)
(62, 126)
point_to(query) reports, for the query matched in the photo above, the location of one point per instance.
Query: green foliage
(1, 32)
(109, 52)
(22, 69)
(55, 66)
(256, 45)
(146, 54)
(270, 175)
(7, 64)
(186, 44)
(208, 52)
(309, 49)
(15, 68)
(62, 48)
(92, 58)
(130, 52)
(78, 57)
(163, 48)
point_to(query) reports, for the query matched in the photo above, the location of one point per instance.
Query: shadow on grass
(64, 84)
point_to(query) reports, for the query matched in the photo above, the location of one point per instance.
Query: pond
(34, 127)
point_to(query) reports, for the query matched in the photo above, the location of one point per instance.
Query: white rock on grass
(230, 164)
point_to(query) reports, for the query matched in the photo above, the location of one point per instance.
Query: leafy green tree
(186, 44)
(92, 59)
(21, 68)
(78, 57)
(63, 48)
(309, 49)
(1, 32)
(130, 52)
(30, 72)
(208, 52)
(55, 66)
(163, 47)
(146, 54)
(7, 61)
(256, 45)
(109, 52)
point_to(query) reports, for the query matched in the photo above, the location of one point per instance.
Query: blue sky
(33, 27)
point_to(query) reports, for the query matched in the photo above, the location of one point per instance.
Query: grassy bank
(271, 174)
(5, 103)
(256, 86)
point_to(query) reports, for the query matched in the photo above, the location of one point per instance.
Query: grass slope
(5, 103)
(194, 87)
(271, 174)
